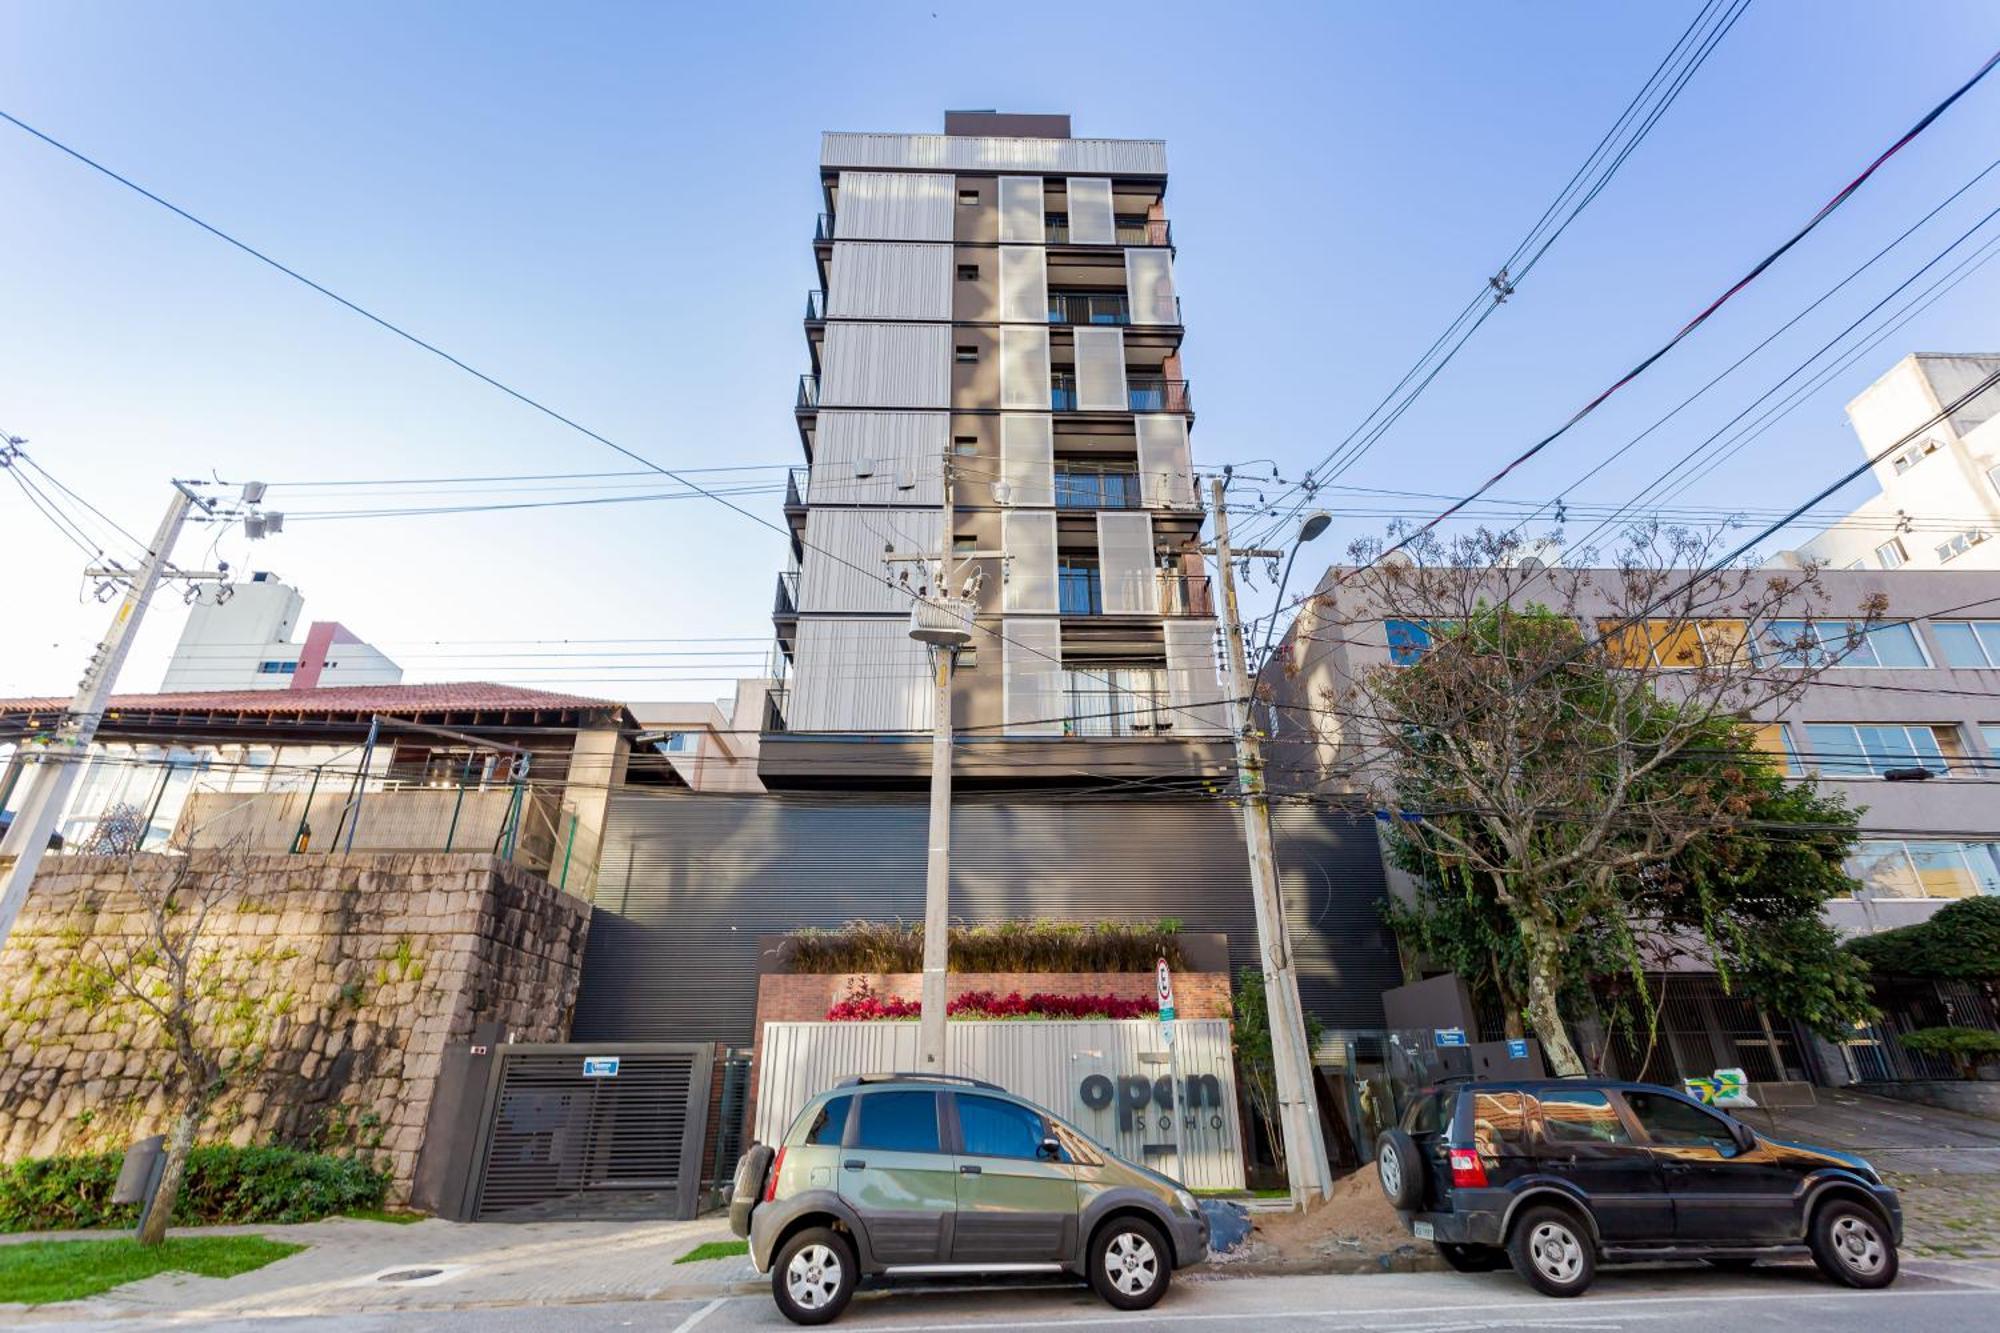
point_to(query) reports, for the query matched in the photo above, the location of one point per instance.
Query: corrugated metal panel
(1125, 563)
(688, 882)
(1149, 285)
(1047, 1063)
(942, 152)
(887, 365)
(1024, 284)
(855, 674)
(1029, 538)
(1090, 218)
(1166, 473)
(1193, 682)
(1027, 458)
(1021, 212)
(861, 537)
(1024, 367)
(1100, 371)
(894, 206)
(866, 457)
(1031, 670)
(875, 280)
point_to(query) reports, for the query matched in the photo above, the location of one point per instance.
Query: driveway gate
(589, 1131)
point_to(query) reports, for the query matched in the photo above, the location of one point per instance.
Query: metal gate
(596, 1132)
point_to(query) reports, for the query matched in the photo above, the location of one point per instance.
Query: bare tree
(1556, 734)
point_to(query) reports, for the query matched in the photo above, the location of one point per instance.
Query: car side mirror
(1050, 1151)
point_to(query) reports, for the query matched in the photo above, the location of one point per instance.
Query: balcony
(1114, 700)
(1130, 229)
(1103, 308)
(1144, 393)
(1080, 591)
(1082, 487)
(797, 483)
(785, 605)
(815, 306)
(808, 393)
(776, 699)
(1186, 595)
(823, 229)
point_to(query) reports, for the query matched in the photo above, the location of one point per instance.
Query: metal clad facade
(1091, 221)
(946, 152)
(894, 206)
(1024, 367)
(688, 882)
(838, 540)
(1021, 215)
(877, 280)
(1032, 680)
(867, 457)
(1029, 538)
(887, 365)
(1166, 473)
(1193, 683)
(1100, 371)
(1024, 284)
(1125, 563)
(836, 654)
(1027, 458)
(1049, 1064)
(1149, 278)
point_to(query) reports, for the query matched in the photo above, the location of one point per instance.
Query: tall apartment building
(1939, 506)
(997, 300)
(238, 636)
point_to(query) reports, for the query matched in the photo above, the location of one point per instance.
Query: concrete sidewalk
(477, 1265)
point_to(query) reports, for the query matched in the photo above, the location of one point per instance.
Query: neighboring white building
(239, 637)
(710, 746)
(1940, 501)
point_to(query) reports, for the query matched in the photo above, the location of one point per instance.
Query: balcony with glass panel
(1080, 485)
(1116, 699)
(1143, 393)
(1131, 229)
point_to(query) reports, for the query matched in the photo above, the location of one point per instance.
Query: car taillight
(771, 1177)
(1466, 1168)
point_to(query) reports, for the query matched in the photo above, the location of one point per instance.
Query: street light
(1316, 522)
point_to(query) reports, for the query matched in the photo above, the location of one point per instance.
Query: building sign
(1517, 1048)
(600, 1066)
(1448, 1036)
(1166, 994)
(1201, 1098)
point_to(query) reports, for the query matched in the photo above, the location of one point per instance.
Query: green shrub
(1960, 943)
(1970, 1047)
(1010, 946)
(223, 1185)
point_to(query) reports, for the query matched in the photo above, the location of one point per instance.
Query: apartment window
(1891, 555)
(1408, 641)
(1909, 458)
(1990, 733)
(1894, 868)
(277, 668)
(1959, 544)
(1674, 643)
(1844, 750)
(968, 198)
(1080, 586)
(966, 355)
(674, 742)
(962, 544)
(968, 273)
(1116, 699)
(1841, 643)
(965, 446)
(1774, 740)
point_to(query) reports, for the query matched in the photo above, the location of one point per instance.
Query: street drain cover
(409, 1274)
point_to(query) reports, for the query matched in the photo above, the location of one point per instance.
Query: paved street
(1931, 1296)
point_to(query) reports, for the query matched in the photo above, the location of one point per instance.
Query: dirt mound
(1355, 1226)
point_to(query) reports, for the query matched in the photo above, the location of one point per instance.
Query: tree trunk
(1510, 1004)
(1544, 981)
(180, 1142)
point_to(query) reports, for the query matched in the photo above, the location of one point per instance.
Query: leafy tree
(1250, 1031)
(1970, 1047)
(1960, 943)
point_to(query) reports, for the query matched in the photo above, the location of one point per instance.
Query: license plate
(1424, 1230)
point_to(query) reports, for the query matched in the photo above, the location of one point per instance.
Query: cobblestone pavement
(1950, 1216)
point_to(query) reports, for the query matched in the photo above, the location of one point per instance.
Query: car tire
(1461, 1258)
(1400, 1168)
(747, 1187)
(1552, 1251)
(1130, 1264)
(813, 1277)
(1852, 1245)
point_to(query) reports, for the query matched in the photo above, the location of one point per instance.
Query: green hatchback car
(918, 1175)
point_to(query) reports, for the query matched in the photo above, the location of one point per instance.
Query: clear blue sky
(610, 206)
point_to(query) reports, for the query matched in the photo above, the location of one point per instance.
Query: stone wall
(356, 970)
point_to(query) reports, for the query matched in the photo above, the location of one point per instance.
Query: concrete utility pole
(1298, 1106)
(55, 772)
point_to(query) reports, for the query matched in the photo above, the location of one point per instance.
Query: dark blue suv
(1553, 1175)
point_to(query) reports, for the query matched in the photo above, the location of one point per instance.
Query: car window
(1581, 1115)
(1499, 1123)
(993, 1128)
(898, 1122)
(1671, 1122)
(830, 1123)
(1426, 1114)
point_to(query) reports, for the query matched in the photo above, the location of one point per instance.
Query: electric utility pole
(1298, 1106)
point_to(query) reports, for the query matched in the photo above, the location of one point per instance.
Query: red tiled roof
(358, 700)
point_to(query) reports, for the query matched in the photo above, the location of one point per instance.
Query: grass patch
(715, 1249)
(401, 1217)
(40, 1271)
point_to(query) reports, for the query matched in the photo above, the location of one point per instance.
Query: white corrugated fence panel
(1024, 367)
(857, 673)
(1103, 1076)
(1193, 686)
(1029, 538)
(1024, 284)
(843, 569)
(1021, 209)
(894, 206)
(959, 152)
(1100, 371)
(1166, 472)
(1125, 563)
(889, 280)
(1091, 221)
(1031, 676)
(1149, 286)
(886, 365)
(879, 458)
(1027, 458)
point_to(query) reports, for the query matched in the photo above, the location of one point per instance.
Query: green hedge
(223, 1185)
(1961, 942)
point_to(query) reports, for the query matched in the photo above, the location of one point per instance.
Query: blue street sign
(600, 1066)
(1449, 1036)
(1517, 1048)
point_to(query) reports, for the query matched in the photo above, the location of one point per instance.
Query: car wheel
(1400, 1167)
(1552, 1252)
(1130, 1264)
(814, 1275)
(1471, 1258)
(1852, 1245)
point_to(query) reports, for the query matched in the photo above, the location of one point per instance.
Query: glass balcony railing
(1130, 229)
(1093, 489)
(786, 603)
(808, 391)
(796, 485)
(815, 306)
(1143, 393)
(1089, 308)
(823, 228)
